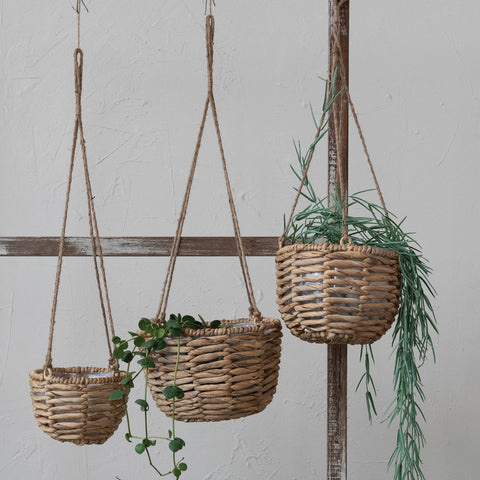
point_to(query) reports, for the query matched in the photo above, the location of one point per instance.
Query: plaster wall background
(415, 79)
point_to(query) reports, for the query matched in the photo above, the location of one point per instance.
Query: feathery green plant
(411, 340)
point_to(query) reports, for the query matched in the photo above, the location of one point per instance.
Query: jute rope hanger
(100, 275)
(208, 6)
(343, 187)
(209, 103)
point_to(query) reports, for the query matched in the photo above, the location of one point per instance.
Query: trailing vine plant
(411, 339)
(141, 346)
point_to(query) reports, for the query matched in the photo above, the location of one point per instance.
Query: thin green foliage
(142, 346)
(411, 339)
(366, 354)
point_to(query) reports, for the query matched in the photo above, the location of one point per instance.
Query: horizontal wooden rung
(137, 246)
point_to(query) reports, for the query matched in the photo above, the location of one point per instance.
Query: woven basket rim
(337, 247)
(47, 375)
(266, 322)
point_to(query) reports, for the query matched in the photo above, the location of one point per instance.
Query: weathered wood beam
(337, 354)
(137, 246)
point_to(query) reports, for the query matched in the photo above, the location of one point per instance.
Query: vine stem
(153, 466)
(145, 398)
(173, 399)
(146, 349)
(146, 426)
(127, 416)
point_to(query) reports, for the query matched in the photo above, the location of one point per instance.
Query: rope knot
(113, 363)
(78, 58)
(209, 35)
(255, 314)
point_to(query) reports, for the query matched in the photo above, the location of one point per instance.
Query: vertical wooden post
(337, 354)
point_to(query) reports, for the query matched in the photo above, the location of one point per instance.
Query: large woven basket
(225, 373)
(72, 404)
(337, 293)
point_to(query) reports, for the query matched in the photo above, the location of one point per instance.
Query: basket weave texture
(72, 404)
(337, 293)
(225, 373)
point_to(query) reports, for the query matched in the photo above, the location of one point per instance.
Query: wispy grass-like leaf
(411, 338)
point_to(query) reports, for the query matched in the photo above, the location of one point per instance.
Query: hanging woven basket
(342, 293)
(72, 404)
(326, 292)
(226, 373)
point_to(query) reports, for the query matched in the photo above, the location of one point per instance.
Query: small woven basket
(225, 373)
(337, 293)
(72, 404)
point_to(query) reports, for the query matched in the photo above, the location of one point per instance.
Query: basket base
(221, 415)
(337, 293)
(73, 404)
(225, 373)
(331, 338)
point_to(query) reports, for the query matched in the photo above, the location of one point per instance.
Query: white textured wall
(415, 77)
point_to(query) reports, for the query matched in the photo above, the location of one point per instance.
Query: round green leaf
(116, 340)
(127, 356)
(172, 391)
(183, 467)
(160, 344)
(144, 323)
(117, 394)
(146, 362)
(176, 444)
(175, 332)
(127, 382)
(173, 323)
(139, 448)
(159, 332)
(143, 404)
(149, 344)
(118, 353)
(179, 393)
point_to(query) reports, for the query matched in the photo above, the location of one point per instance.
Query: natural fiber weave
(72, 404)
(329, 293)
(225, 373)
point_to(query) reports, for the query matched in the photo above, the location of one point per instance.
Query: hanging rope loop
(341, 164)
(281, 240)
(339, 129)
(209, 34)
(78, 70)
(343, 76)
(255, 314)
(346, 240)
(97, 253)
(208, 6)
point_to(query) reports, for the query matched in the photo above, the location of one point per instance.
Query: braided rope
(210, 103)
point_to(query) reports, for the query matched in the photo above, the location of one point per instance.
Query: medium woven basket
(72, 404)
(225, 373)
(337, 293)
